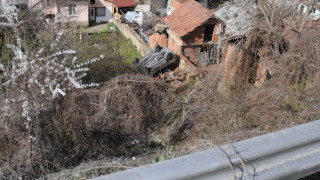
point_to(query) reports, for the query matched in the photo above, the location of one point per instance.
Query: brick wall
(173, 46)
(191, 44)
(196, 37)
(216, 33)
(174, 42)
(192, 54)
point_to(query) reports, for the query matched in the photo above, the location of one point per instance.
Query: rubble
(158, 39)
(238, 17)
(160, 28)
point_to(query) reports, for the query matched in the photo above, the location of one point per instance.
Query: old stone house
(194, 31)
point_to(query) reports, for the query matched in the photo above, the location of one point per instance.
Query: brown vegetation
(218, 113)
(226, 106)
(123, 115)
(85, 124)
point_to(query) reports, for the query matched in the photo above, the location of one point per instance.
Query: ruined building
(194, 31)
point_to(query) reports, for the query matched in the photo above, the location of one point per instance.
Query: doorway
(208, 33)
(92, 16)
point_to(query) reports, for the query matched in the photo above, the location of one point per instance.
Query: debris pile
(158, 39)
(239, 17)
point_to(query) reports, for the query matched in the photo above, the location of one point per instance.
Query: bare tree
(281, 16)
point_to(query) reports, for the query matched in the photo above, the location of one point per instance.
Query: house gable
(187, 18)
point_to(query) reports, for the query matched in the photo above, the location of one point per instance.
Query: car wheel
(169, 56)
(156, 48)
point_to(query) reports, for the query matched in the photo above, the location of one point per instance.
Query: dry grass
(84, 125)
(199, 114)
(216, 115)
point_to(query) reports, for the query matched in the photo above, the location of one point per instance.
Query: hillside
(75, 105)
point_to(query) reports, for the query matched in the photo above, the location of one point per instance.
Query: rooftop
(188, 17)
(124, 3)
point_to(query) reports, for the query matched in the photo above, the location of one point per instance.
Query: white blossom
(44, 71)
(25, 110)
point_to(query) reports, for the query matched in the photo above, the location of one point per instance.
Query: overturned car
(160, 59)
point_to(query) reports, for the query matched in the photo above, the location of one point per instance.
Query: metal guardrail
(287, 154)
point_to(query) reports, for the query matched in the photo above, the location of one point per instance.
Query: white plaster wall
(82, 12)
(40, 5)
(106, 18)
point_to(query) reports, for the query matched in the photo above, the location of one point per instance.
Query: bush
(85, 124)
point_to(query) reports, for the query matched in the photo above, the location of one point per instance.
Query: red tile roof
(124, 3)
(177, 3)
(188, 17)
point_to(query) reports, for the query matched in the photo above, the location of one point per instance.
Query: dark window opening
(124, 11)
(101, 11)
(92, 1)
(72, 9)
(236, 41)
(92, 12)
(50, 16)
(208, 33)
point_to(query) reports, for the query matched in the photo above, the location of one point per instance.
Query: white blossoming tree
(43, 67)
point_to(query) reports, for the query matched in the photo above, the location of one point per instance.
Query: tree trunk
(2, 39)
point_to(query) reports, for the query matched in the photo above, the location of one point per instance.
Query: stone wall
(128, 32)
